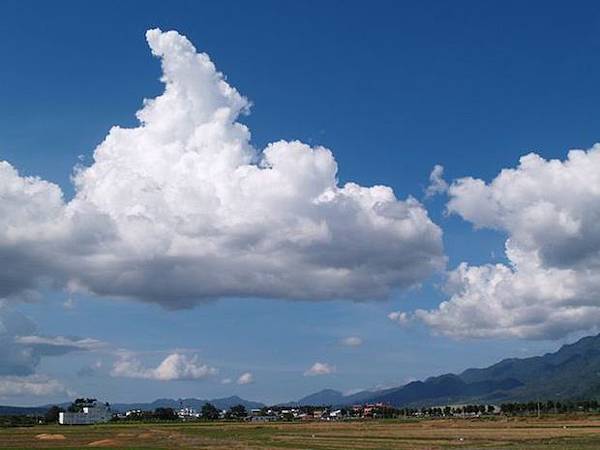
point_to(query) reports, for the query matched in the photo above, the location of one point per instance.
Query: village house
(91, 413)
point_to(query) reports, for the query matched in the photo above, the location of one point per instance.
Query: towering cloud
(32, 220)
(182, 208)
(551, 213)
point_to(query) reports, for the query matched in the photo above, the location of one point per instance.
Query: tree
(237, 412)
(287, 416)
(210, 412)
(165, 414)
(80, 403)
(51, 415)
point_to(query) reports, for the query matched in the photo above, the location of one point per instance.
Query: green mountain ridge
(571, 373)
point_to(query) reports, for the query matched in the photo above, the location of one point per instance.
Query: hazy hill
(23, 410)
(220, 403)
(330, 397)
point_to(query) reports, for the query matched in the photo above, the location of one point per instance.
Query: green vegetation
(209, 412)
(20, 421)
(80, 403)
(550, 407)
(51, 415)
(236, 412)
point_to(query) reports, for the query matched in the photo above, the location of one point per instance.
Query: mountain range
(195, 403)
(571, 373)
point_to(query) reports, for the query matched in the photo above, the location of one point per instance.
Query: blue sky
(391, 88)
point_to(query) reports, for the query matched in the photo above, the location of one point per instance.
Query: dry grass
(547, 433)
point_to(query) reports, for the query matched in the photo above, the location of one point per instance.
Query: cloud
(245, 378)
(352, 341)
(90, 370)
(550, 210)
(183, 209)
(33, 385)
(58, 345)
(319, 368)
(437, 184)
(21, 349)
(175, 366)
(69, 303)
(399, 317)
(31, 220)
(226, 381)
(15, 359)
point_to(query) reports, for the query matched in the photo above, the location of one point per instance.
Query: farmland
(557, 432)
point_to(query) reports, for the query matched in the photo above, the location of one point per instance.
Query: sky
(266, 199)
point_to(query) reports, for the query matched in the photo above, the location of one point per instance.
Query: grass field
(545, 433)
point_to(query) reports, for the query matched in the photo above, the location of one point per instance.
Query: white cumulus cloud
(31, 225)
(401, 318)
(182, 208)
(550, 210)
(319, 368)
(175, 366)
(245, 378)
(437, 184)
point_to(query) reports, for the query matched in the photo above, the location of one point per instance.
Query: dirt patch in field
(147, 435)
(50, 437)
(104, 443)
(126, 435)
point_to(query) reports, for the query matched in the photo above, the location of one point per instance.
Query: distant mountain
(330, 397)
(195, 403)
(23, 410)
(572, 372)
(324, 397)
(445, 389)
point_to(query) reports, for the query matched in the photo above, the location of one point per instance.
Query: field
(546, 433)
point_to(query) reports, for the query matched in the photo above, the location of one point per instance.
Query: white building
(90, 414)
(133, 412)
(188, 413)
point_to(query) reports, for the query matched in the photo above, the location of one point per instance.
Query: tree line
(238, 412)
(208, 412)
(549, 407)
